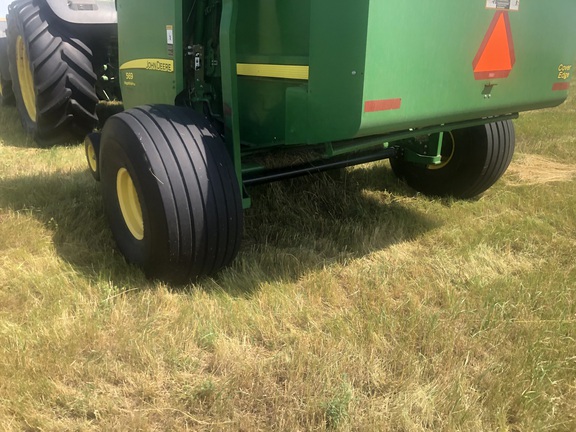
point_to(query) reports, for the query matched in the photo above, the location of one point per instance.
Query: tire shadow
(69, 206)
(11, 132)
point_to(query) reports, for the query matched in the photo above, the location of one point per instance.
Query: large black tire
(52, 75)
(170, 192)
(6, 93)
(473, 159)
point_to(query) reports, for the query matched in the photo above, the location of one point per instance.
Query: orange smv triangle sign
(495, 58)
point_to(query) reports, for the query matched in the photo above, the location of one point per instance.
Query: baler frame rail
(356, 152)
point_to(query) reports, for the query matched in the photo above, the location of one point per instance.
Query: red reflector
(495, 58)
(382, 105)
(561, 86)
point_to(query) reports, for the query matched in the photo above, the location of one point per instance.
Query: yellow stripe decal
(159, 65)
(273, 71)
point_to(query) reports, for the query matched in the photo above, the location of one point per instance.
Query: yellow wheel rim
(1, 89)
(91, 155)
(446, 157)
(129, 204)
(25, 78)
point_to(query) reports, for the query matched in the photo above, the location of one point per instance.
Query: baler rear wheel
(170, 192)
(52, 75)
(473, 159)
(6, 93)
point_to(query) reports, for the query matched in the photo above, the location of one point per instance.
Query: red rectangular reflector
(382, 105)
(561, 86)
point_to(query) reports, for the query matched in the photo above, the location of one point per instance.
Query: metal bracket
(426, 152)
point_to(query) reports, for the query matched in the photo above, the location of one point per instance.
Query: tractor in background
(55, 64)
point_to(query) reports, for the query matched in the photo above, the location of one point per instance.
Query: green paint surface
(415, 57)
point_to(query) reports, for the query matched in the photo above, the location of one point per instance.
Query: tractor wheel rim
(129, 204)
(25, 78)
(91, 155)
(445, 158)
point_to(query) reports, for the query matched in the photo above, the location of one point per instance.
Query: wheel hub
(91, 155)
(129, 203)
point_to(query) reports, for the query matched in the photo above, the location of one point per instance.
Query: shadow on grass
(69, 205)
(12, 133)
(302, 225)
(380, 177)
(293, 228)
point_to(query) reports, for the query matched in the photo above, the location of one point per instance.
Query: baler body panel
(311, 72)
(151, 50)
(378, 66)
(424, 75)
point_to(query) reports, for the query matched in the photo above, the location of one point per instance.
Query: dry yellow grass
(534, 169)
(354, 305)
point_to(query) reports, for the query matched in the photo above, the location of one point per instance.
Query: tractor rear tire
(6, 93)
(170, 192)
(52, 76)
(473, 159)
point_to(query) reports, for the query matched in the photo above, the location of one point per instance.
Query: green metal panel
(428, 67)
(338, 55)
(150, 50)
(329, 70)
(230, 87)
(269, 33)
(377, 66)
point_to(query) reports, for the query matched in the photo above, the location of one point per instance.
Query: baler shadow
(302, 225)
(294, 227)
(383, 179)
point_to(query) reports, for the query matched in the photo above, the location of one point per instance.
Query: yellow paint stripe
(153, 64)
(273, 71)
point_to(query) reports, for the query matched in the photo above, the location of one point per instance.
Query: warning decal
(512, 5)
(169, 35)
(495, 57)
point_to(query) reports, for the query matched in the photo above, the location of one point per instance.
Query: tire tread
(194, 182)
(64, 81)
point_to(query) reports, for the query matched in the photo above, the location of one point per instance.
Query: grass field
(355, 304)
